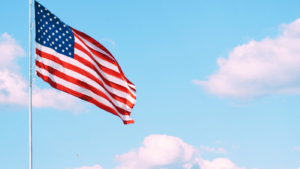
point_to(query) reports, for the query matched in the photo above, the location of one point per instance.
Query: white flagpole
(30, 86)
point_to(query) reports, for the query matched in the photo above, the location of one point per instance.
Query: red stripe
(90, 76)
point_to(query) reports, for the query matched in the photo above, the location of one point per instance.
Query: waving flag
(75, 63)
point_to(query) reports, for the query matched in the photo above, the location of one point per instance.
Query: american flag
(73, 62)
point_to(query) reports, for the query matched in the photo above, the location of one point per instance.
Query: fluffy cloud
(259, 68)
(219, 163)
(164, 152)
(93, 167)
(214, 150)
(14, 87)
(10, 50)
(157, 151)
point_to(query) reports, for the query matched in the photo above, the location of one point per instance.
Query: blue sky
(218, 85)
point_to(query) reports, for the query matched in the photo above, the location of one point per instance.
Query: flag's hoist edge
(79, 65)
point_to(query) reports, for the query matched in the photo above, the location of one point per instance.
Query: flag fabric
(73, 62)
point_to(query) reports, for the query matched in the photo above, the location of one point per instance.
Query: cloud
(259, 68)
(166, 152)
(10, 50)
(14, 87)
(157, 151)
(219, 163)
(214, 150)
(109, 40)
(296, 148)
(93, 167)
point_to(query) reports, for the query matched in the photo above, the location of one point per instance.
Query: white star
(54, 17)
(50, 19)
(70, 54)
(39, 39)
(41, 10)
(42, 36)
(38, 13)
(70, 45)
(67, 32)
(63, 50)
(66, 48)
(44, 33)
(59, 45)
(49, 28)
(43, 25)
(41, 20)
(59, 37)
(48, 14)
(38, 22)
(52, 42)
(44, 16)
(56, 39)
(38, 30)
(55, 48)
(44, 42)
(56, 31)
(67, 40)
(47, 39)
(53, 34)
(45, 9)
(64, 25)
(63, 42)
(60, 29)
(49, 36)
(39, 5)
(46, 30)
(57, 22)
(46, 22)
(53, 26)
(63, 34)
(70, 37)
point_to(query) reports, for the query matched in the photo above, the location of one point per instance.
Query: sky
(218, 87)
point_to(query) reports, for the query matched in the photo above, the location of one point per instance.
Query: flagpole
(30, 88)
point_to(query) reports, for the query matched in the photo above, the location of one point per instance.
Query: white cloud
(157, 151)
(219, 163)
(109, 40)
(10, 50)
(166, 152)
(259, 68)
(14, 87)
(296, 148)
(213, 150)
(93, 167)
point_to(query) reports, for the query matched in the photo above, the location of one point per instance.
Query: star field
(52, 32)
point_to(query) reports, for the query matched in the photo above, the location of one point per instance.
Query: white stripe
(94, 47)
(82, 66)
(83, 79)
(80, 90)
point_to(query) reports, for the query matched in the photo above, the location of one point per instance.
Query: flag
(73, 62)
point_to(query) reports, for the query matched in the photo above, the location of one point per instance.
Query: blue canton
(52, 32)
